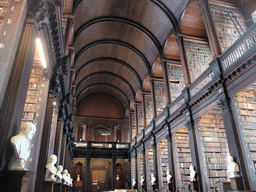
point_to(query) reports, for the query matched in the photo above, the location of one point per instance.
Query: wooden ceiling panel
(112, 67)
(114, 51)
(172, 49)
(109, 79)
(105, 88)
(68, 7)
(119, 32)
(144, 12)
(192, 23)
(175, 6)
(157, 68)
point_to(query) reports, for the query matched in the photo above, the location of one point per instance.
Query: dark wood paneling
(172, 49)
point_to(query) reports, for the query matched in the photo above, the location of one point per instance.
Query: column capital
(190, 125)
(224, 104)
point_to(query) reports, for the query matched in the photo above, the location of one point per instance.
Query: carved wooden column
(144, 174)
(114, 159)
(130, 125)
(210, 29)
(172, 186)
(155, 160)
(144, 110)
(136, 119)
(43, 158)
(63, 150)
(234, 143)
(152, 84)
(183, 57)
(193, 143)
(15, 93)
(136, 170)
(88, 173)
(58, 141)
(166, 83)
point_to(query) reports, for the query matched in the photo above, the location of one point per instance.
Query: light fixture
(41, 52)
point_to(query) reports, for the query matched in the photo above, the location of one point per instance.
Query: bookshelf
(160, 96)
(163, 162)
(3, 8)
(149, 108)
(133, 169)
(229, 23)
(150, 166)
(176, 80)
(245, 102)
(198, 56)
(133, 125)
(140, 164)
(182, 157)
(140, 118)
(33, 95)
(215, 146)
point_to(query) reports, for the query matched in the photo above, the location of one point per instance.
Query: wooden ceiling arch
(106, 89)
(101, 76)
(116, 42)
(109, 59)
(120, 20)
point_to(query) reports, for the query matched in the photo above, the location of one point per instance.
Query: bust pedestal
(194, 185)
(48, 186)
(57, 187)
(14, 181)
(134, 187)
(170, 187)
(64, 188)
(154, 187)
(144, 187)
(237, 183)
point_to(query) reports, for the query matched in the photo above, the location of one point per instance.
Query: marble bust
(22, 145)
(117, 178)
(153, 179)
(232, 167)
(133, 182)
(65, 177)
(192, 173)
(58, 174)
(69, 179)
(142, 180)
(52, 170)
(78, 178)
(169, 177)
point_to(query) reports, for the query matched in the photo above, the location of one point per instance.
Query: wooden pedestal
(237, 183)
(194, 185)
(14, 181)
(154, 187)
(169, 186)
(64, 188)
(48, 186)
(144, 187)
(134, 187)
(57, 187)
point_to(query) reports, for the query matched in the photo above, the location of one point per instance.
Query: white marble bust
(169, 177)
(142, 180)
(153, 179)
(78, 178)
(58, 174)
(22, 145)
(51, 169)
(192, 173)
(133, 182)
(69, 179)
(117, 178)
(233, 168)
(65, 177)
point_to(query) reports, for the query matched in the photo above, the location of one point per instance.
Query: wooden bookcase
(149, 108)
(176, 80)
(160, 96)
(3, 8)
(182, 158)
(215, 146)
(163, 163)
(140, 118)
(150, 167)
(133, 125)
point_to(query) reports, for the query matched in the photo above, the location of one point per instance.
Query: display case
(159, 96)
(140, 118)
(182, 158)
(245, 110)
(215, 146)
(150, 167)
(198, 56)
(149, 108)
(163, 163)
(176, 80)
(229, 23)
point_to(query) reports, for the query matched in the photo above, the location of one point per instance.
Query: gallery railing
(102, 145)
(232, 57)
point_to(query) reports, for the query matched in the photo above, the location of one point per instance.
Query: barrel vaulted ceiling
(117, 42)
